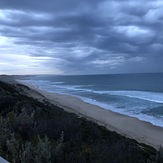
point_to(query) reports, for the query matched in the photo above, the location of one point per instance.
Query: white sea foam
(143, 95)
(158, 121)
(73, 87)
(58, 83)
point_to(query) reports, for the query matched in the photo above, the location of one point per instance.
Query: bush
(33, 152)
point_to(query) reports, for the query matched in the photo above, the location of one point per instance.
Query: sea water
(136, 95)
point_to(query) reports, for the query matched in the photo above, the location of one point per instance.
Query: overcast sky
(81, 37)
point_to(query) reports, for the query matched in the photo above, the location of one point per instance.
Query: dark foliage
(50, 134)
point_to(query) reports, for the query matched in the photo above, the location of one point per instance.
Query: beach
(80, 130)
(130, 127)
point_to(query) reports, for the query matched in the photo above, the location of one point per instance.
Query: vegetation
(39, 132)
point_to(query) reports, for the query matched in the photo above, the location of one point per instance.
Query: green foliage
(26, 154)
(12, 148)
(43, 150)
(38, 152)
(161, 151)
(160, 155)
(58, 148)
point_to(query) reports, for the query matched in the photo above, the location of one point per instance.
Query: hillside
(35, 131)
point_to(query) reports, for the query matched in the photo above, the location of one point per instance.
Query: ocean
(136, 95)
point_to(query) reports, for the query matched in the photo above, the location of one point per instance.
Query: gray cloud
(83, 37)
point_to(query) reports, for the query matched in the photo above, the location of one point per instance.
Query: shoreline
(130, 127)
(142, 117)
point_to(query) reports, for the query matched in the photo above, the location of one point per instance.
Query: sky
(81, 37)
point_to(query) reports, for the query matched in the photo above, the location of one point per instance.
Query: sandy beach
(130, 127)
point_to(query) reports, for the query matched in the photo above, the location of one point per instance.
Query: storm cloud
(81, 37)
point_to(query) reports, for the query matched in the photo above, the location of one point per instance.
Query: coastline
(130, 127)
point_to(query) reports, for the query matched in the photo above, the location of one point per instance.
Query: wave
(158, 121)
(74, 87)
(58, 83)
(143, 95)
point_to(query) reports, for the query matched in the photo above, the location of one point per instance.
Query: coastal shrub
(5, 132)
(7, 102)
(33, 152)
(43, 151)
(161, 151)
(160, 155)
(59, 145)
(9, 88)
(26, 154)
(12, 149)
(24, 124)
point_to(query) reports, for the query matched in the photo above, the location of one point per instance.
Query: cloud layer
(87, 37)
